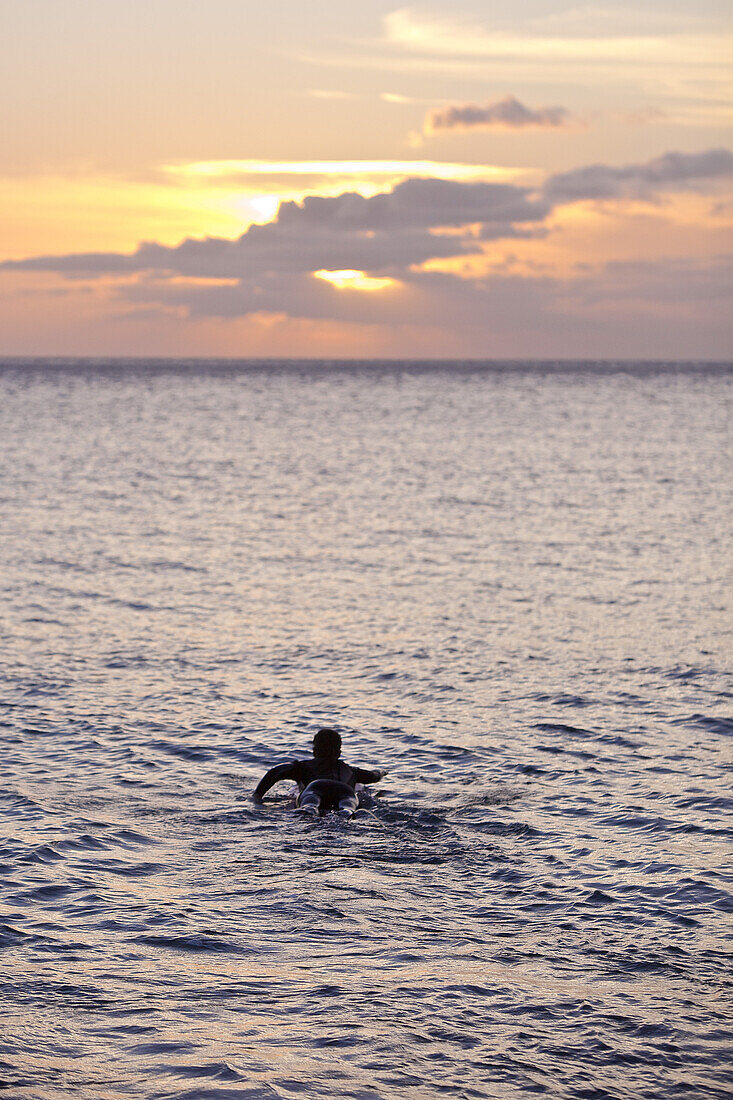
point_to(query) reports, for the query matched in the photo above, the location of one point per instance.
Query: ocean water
(507, 584)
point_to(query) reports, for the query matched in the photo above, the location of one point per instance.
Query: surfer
(326, 782)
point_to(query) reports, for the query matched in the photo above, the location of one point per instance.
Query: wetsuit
(325, 784)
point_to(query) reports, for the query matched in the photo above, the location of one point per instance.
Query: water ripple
(503, 586)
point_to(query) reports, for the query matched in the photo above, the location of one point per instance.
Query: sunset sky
(474, 178)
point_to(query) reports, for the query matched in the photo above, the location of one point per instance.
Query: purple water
(507, 584)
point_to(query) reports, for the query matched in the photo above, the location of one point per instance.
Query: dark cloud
(270, 267)
(672, 170)
(265, 249)
(634, 308)
(393, 231)
(505, 114)
(420, 298)
(386, 233)
(418, 204)
(684, 282)
(77, 264)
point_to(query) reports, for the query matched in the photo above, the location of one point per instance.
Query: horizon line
(64, 360)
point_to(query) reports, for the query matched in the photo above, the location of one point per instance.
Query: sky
(342, 179)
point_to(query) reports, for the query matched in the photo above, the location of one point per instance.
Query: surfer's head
(327, 744)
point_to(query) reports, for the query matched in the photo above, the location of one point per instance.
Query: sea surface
(506, 583)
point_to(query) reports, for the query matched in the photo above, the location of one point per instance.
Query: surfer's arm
(280, 771)
(363, 775)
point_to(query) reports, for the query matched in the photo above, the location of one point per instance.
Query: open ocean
(506, 583)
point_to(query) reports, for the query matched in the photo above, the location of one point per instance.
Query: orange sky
(580, 159)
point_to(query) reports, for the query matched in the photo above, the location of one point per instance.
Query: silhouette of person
(326, 782)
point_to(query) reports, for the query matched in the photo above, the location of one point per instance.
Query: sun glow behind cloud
(293, 179)
(355, 280)
(88, 212)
